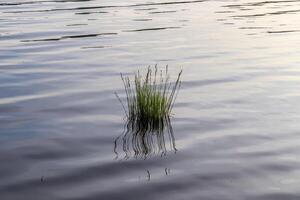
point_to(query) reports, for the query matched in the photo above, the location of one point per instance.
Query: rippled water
(236, 123)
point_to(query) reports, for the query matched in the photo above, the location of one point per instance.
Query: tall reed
(150, 98)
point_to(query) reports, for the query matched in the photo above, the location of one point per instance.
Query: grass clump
(150, 98)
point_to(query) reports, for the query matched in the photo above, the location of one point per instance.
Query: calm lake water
(236, 129)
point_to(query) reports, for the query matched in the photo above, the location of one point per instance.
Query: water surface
(235, 123)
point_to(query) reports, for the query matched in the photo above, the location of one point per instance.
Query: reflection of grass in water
(142, 142)
(149, 101)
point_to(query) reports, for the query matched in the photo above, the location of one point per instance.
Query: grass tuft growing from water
(150, 97)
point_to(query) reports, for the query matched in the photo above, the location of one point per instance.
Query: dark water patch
(70, 110)
(56, 149)
(225, 11)
(40, 2)
(76, 24)
(263, 10)
(145, 9)
(57, 153)
(279, 167)
(69, 37)
(167, 11)
(12, 122)
(269, 13)
(105, 7)
(261, 3)
(202, 83)
(283, 31)
(142, 20)
(152, 29)
(245, 9)
(9, 109)
(253, 27)
(96, 47)
(88, 13)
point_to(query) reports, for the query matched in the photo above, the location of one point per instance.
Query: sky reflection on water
(236, 116)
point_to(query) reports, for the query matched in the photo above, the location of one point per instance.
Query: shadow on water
(152, 29)
(69, 37)
(142, 141)
(39, 2)
(108, 6)
(262, 15)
